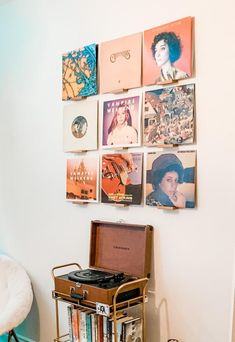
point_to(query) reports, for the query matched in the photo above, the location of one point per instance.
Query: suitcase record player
(119, 254)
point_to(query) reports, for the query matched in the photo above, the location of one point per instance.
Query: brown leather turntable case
(114, 247)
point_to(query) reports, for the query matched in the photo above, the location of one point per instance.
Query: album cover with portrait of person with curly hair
(167, 53)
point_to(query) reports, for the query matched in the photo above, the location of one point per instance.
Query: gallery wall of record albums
(171, 109)
(128, 123)
(131, 100)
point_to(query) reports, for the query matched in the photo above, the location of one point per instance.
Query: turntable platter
(90, 276)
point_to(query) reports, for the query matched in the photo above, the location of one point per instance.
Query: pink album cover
(121, 122)
(120, 63)
(167, 52)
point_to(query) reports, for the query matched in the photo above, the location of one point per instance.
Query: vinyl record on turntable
(90, 276)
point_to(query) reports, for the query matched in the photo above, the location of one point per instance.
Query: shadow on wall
(29, 330)
(159, 319)
(233, 331)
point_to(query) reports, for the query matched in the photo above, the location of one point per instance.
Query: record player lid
(121, 247)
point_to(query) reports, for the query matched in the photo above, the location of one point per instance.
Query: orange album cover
(120, 63)
(167, 52)
(122, 178)
(82, 179)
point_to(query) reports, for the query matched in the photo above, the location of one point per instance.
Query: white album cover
(80, 126)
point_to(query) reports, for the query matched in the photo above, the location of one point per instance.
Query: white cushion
(16, 294)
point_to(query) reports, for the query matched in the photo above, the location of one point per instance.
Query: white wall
(193, 249)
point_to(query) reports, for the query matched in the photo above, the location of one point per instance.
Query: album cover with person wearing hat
(170, 179)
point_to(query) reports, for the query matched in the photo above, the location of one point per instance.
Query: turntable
(100, 278)
(119, 255)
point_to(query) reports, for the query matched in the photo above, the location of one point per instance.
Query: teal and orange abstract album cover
(79, 74)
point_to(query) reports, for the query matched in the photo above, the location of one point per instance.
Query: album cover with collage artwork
(169, 116)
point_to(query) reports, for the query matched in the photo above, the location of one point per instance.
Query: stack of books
(87, 326)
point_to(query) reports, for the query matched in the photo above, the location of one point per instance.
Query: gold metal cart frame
(114, 308)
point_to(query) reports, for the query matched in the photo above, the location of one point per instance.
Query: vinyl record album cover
(170, 179)
(133, 330)
(122, 178)
(79, 73)
(167, 53)
(120, 63)
(121, 122)
(80, 126)
(82, 179)
(169, 116)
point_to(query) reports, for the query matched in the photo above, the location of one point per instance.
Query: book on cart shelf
(87, 326)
